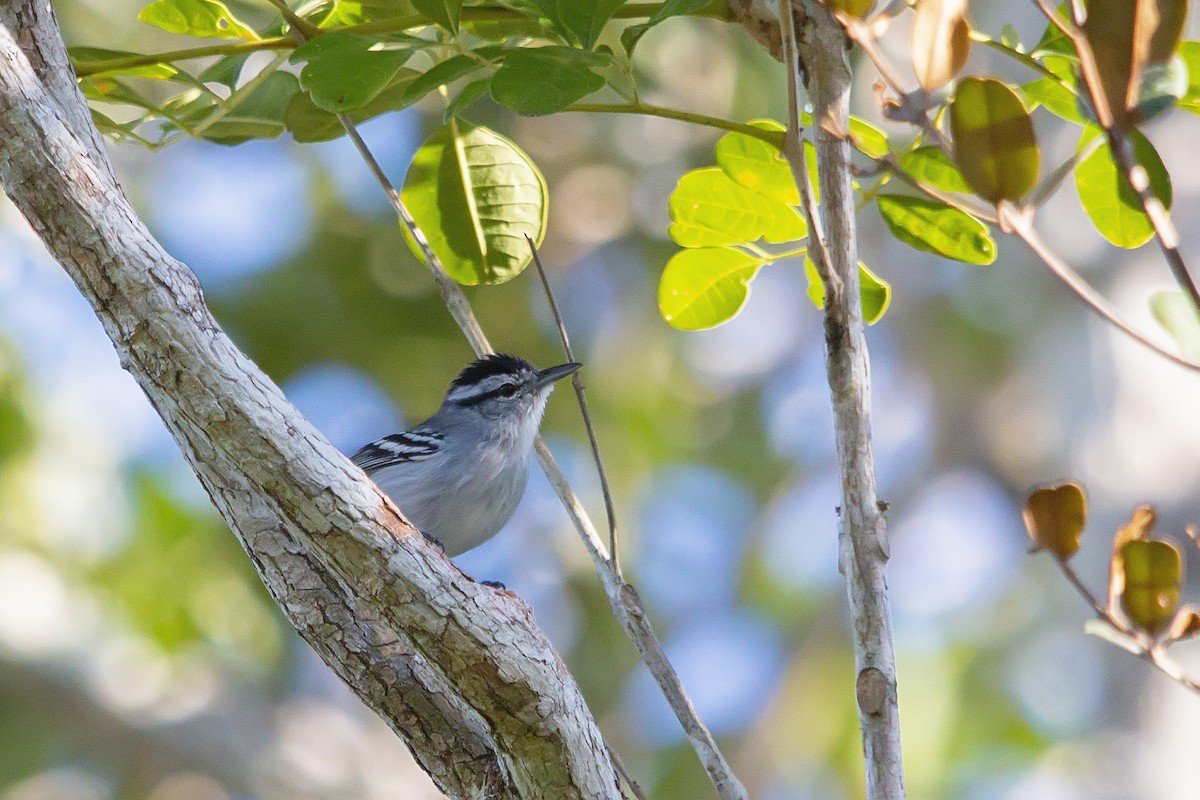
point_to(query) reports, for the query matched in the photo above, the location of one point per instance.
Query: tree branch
(457, 668)
(821, 45)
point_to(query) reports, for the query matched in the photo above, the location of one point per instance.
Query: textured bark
(458, 669)
(862, 535)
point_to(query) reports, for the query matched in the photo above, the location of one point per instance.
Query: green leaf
(476, 196)
(469, 94)
(449, 71)
(444, 13)
(757, 165)
(937, 228)
(868, 139)
(90, 58)
(708, 209)
(259, 115)
(307, 123)
(1178, 315)
(1153, 575)
(1190, 53)
(543, 80)
(344, 71)
(705, 287)
(1110, 203)
(671, 8)
(1055, 97)
(932, 167)
(994, 143)
(874, 292)
(209, 19)
(225, 71)
(585, 19)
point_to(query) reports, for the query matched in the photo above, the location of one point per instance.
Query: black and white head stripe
(398, 448)
(495, 375)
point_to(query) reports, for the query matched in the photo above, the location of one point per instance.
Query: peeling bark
(458, 669)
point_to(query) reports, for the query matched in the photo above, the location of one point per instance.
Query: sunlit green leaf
(705, 287)
(91, 58)
(932, 167)
(1190, 53)
(937, 228)
(875, 294)
(344, 71)
(757, 165)
(444, 13)
(476, 196)
(1055, 97)
(208, 19)
(584, 19)
(307, 123)
(708, 209)
(1177, 314)
(1111, 204)
(542, 80)
(867, 138)
(994, 143)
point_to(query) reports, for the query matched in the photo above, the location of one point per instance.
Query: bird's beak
(552, 374)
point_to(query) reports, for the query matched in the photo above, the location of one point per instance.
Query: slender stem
(170, 56)
(577, 384)
(298, 23)
(1101, 612)
(860, 33)
(1164, 229)
(1015, 55)
(863, 546)
(622, 598)
(771, 137)
(1020, 223)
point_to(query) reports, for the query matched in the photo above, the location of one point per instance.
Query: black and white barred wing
(399, 448)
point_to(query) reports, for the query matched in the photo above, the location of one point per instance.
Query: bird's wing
(399, 448)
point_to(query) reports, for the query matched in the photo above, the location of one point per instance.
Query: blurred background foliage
(141, 658)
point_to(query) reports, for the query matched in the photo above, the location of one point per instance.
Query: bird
(459, 475)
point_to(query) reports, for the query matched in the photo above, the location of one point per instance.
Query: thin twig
(860, 33)
(298, 23)
(577, 384)
(793, 153)
(1164, 229)
(622, 597)
(1020, 222)
(626, 777)
(1101, 612)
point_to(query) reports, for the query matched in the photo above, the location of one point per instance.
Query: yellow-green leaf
(1055, 516)
(874, 292)
(207, 19)
(1111, 204)
(705, 287)
(476, 196)
(1176, 312)
(1153, 575)
(757, 165)
(708, 209)
(932, 167)
(994, 144)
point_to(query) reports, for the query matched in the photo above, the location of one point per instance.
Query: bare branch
(862, 532)
(614, 559)
(1020, 222)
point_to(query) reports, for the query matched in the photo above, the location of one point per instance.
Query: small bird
(459, 475)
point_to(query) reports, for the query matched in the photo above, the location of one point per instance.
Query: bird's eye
(507, 390)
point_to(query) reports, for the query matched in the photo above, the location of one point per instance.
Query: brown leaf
(858, 9)
(1125, 37)
(1185, 625)
(1055, 516)
(1153, 574)
(941, 41)
(1138, 529)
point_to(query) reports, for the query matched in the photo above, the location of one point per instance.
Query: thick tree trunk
(459, 670)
